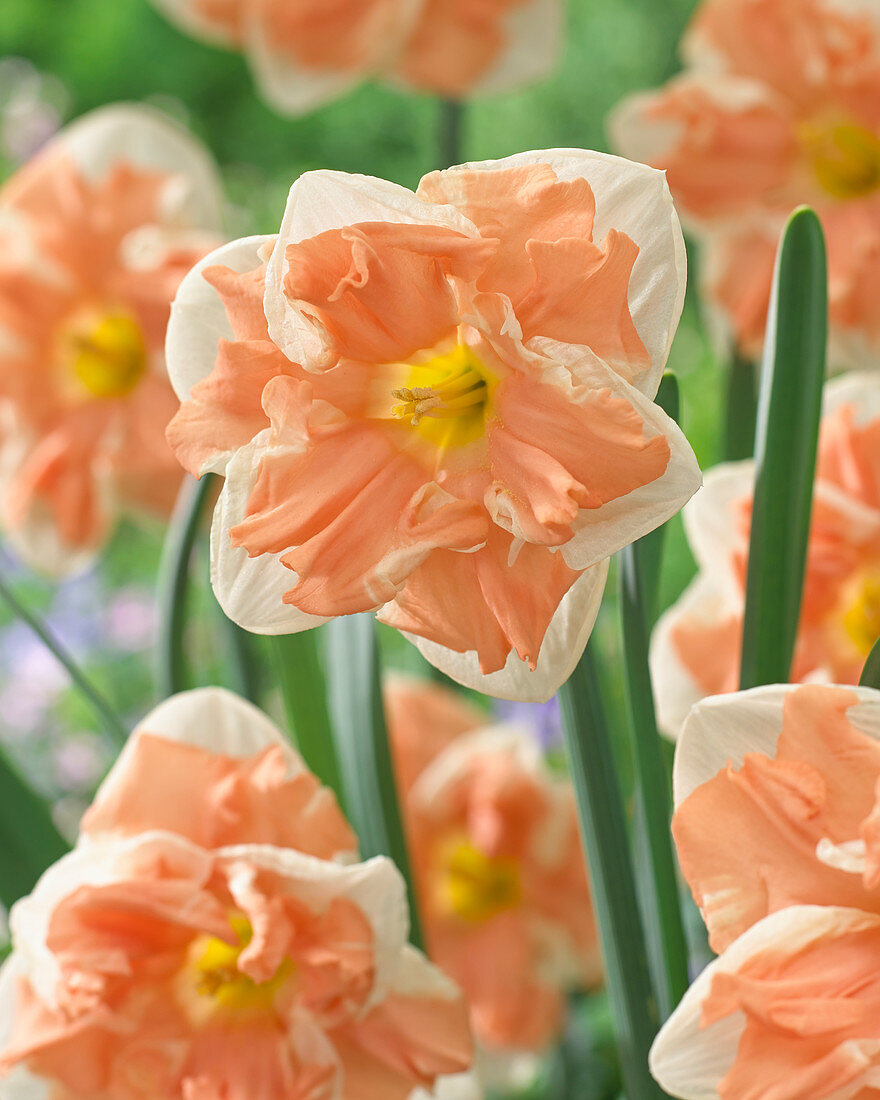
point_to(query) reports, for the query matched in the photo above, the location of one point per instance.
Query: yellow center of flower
(861, 617)
(211, 972)
(446, 399)
(474, 886)
(845, 158)
(108, 354)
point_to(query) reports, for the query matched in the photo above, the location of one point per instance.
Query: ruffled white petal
(675, 689)
(563, 644)
(723, 728)
(318, 202)
(149, 139)
(716, 523)
(635, 200)
(198, 320)
(688, 1060)
(250, 590)
(858, 391)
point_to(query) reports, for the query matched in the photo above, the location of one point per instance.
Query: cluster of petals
(212, 937)
(500, 874)
(777, 824)
(777, 106)
(304, 52)
(96, 233)
(695, 649)
(438, 405)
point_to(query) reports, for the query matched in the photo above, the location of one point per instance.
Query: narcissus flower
(777, 106)
(210, 936)
(95, 235)
(498, 864)
(695, 650)
(776, 824)
(437, 405)
(304, 52)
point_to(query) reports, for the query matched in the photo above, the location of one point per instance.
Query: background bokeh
(59, 59)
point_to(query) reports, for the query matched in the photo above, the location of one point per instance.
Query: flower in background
(95, 234)
(304, 52)
(438, 406)
(211, 936)
(32, 105)
(777, 106)
(696, 645)
(499, 869)
(776, 825)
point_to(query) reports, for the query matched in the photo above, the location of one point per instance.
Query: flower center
(446, 398)
(475, 886)
(861, 618)
(108, 354)
(845, 158)
(212, 971)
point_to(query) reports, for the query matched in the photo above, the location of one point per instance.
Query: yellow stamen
(845, 158)
(453, 388)
(861, 617)
(109, 355)
(474, 886)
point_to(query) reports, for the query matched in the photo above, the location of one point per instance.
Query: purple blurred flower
(543, 719)
(131, 620)
(33, 105)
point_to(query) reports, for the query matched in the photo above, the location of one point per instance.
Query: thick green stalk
(740, 410)
(304, 688)
(30, 842)
(789, 409)
(113, 724)
(364, 753)
(173, 582)
(604, 834)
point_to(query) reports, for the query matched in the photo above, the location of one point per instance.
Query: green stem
(789, 410)
(363, 748)
(173, 582)
(451, 132)
(667, 946)
(301, 676)
(113, 724)
(604, 834)
(740, 410)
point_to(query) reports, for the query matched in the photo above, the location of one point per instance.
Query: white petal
(149, 139)
(859, 391)
(454, 1086)
(724, 728)
(563, 644)
(250, 590)
(320, 201)
(189, 16)
(689, 1060)
(635, 200)
(675, 689)
(715, 526)
(20, 1083)
(198, 320)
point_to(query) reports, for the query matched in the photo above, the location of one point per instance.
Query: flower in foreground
(499, 869)
(777, 106)
(95, 235)
(438, 405)
(304, 52)
(695, 649)
(210, 936)
(776, 825)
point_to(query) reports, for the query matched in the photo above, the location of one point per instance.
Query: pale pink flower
(777, 106)
(437, 405)
(95, 234)
(695, 649)
(303, 52)
(776, 825)
(500, 873)
(211, 937)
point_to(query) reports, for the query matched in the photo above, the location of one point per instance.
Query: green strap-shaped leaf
(304, 688)
(604, 835)
(355, 694)
(657, 880)
(740, 409)
(871, 672)
(29, 841)
(789, 409)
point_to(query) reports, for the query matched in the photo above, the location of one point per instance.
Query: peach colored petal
(710, 652)
(382, 292)
(747, 838)
(738, 273)
(215, 800)
(551, 456)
